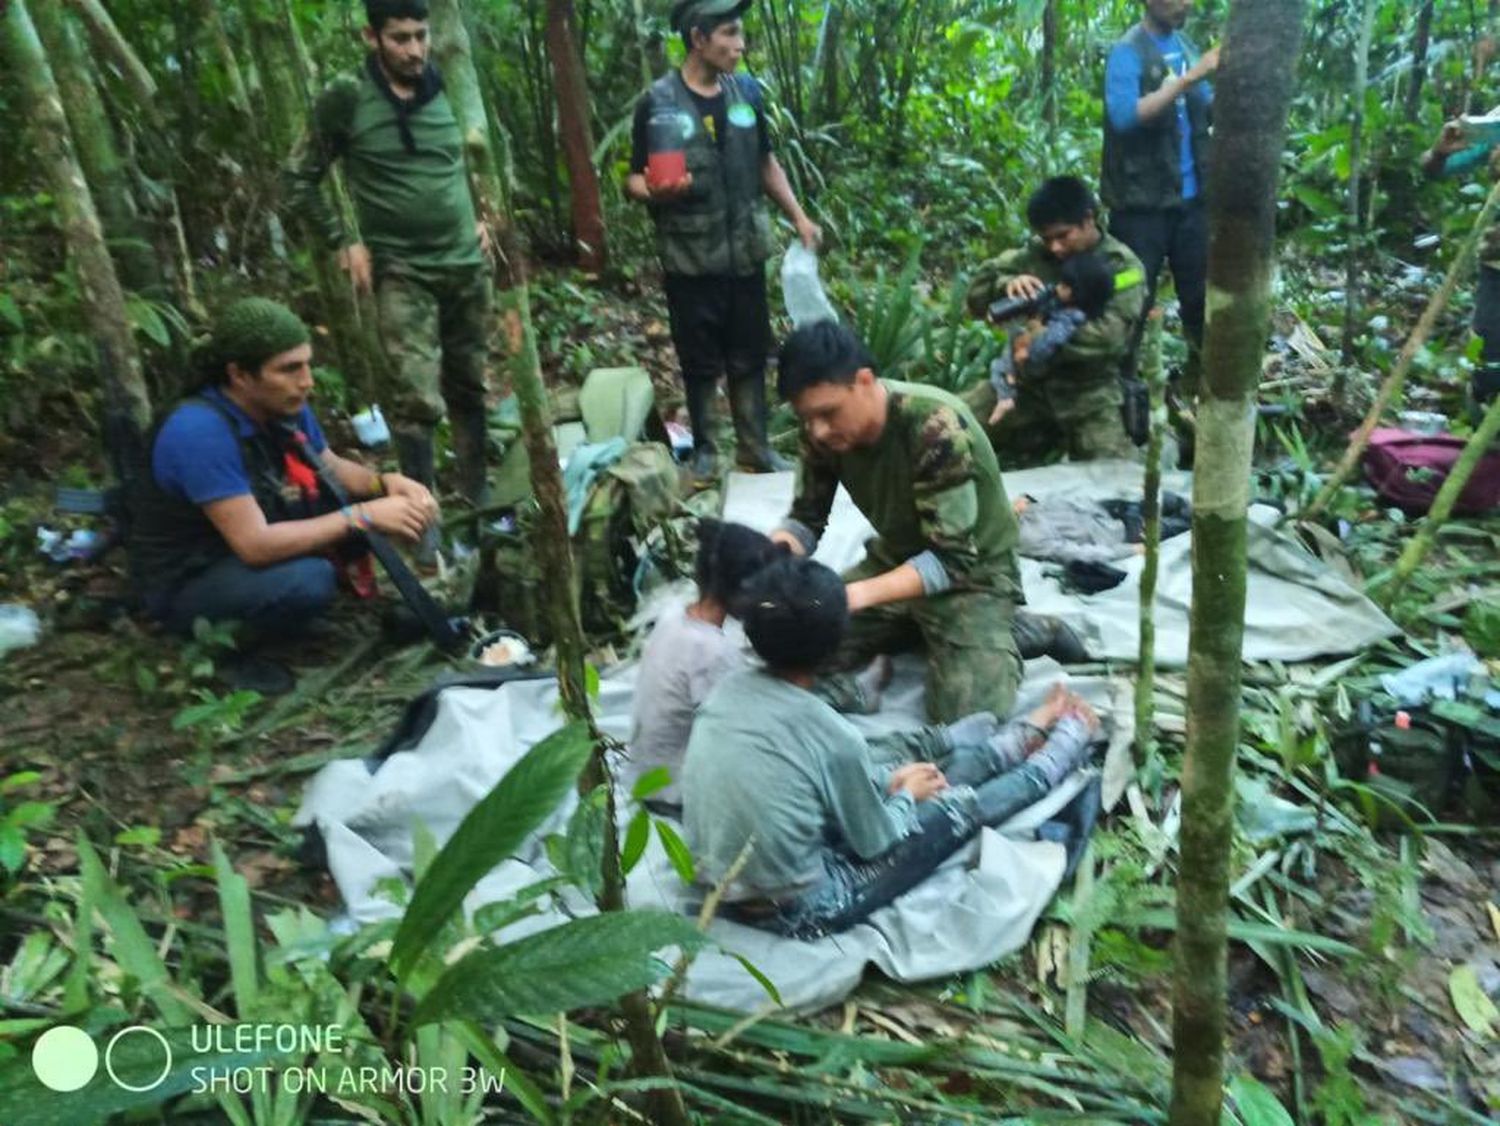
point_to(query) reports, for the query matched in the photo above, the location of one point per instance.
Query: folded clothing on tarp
(1297, 608)
(456, 743)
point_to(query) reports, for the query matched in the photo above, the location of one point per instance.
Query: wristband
(379, 485)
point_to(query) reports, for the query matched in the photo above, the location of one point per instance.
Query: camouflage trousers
(434, 326)
(1049, 422)
(972, 661)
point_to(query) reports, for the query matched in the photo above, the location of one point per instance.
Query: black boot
(747, 404)
(470, 450)
(414, 452)
(1039, 635)
(700, 404)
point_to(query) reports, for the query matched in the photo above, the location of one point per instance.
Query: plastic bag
(803, 293)
(19, 627)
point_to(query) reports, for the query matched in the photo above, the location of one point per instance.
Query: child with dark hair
(1085, 285)
(832, 834)
(688, 652)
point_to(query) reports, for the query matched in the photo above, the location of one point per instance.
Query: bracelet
(379, 485)
(357, 516)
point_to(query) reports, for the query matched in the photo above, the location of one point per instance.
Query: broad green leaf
(494, 828)
(636, 835)
(1256, 1104)
(30, 815)
(144, 317)
(677, 852)
(10, 312)
(584, 843)
(12, 848)
(144, 835)
(654, 781)
(19, 779)
(584, 962)
(1469, 998)
(239, 933)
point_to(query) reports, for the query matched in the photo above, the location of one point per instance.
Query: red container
(666, 168)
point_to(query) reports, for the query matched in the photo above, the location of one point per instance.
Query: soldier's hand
(402, 517)
(1002, 408)
(810, 233)
(667, 193)
(1026, 285)
(397, 485)
(355, 261)
(922, 780)
(791, 542)
(1205, 66)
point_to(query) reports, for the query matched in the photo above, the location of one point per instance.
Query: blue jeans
(851, 890)
(278, 600)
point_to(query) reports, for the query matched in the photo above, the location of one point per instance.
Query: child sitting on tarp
(688, 653)
(783, 791)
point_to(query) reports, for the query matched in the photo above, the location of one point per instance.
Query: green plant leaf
(1256, 1104)
(494, 828)
(239, 932)
(655, 780)
(584, 962)
(1476, 1009)
(10, 312)
(637, 834)
(17, 780)
(12, 848)
(144, 835)
(677, 852)
(31, 815)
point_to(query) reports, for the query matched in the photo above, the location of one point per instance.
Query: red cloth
(1408, 469)
(299, 473)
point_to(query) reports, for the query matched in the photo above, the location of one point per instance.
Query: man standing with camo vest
(712, 230)
(1158, 116)
(420, 244)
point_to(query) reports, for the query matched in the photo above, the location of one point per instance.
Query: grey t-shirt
(772, 761)
(682, 661)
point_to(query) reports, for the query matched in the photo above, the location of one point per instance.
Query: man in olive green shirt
(420, 245)
(1071, 403)
(942, 570)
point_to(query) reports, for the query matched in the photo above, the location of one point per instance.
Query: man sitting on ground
(1068, 403)
(832, 836)
(229, 523)
(942, 569)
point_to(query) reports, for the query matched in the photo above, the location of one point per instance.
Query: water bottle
(666, 157)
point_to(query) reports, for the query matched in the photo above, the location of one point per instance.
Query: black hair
(795, 613)
(378, 11)
(822, 352)
(1092, 283)
(1062, 199)
(728, 555)
(707, 25)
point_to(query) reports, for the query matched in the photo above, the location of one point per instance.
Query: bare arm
(899, 584)
(258, 543)
(1159, 100)
(775, 184)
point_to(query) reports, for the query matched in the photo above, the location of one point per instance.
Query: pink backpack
(1407, 469)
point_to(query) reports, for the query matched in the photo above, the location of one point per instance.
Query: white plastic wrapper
(800, 288)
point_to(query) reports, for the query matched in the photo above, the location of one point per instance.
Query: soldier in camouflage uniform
(942, 570)
(1071, 403)
(423, 250)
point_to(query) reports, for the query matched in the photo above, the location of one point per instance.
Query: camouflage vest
(1142, 168)
(721, 227)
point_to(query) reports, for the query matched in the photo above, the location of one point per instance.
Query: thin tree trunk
(1394, 382)
(1442, 505)
(1261, 45)
(109, 42)
(1355, 225)
(1421, 43)
(571, 91)
(643, 48)
(1049, 63)
(1153, 375)
(826, 63)
(127, 402)
(94, 145)
(239, 100)
(551, 542)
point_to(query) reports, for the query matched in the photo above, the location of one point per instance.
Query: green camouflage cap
(688, 12)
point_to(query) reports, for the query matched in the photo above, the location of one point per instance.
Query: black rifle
(1040, 304)
(447, 634)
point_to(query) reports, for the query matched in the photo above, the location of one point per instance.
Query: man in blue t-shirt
(229, 522)
(1157, 118)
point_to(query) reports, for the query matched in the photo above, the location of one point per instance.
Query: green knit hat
(251, 331)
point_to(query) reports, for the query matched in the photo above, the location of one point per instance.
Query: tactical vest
(720, 228)
(1142, 168)
(170, 537)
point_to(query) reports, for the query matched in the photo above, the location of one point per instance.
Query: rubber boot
(1040, 635)
(747, 404)
(415, 453)
(470, 449)
(700, 404)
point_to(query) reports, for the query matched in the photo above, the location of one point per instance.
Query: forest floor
(1349, 976)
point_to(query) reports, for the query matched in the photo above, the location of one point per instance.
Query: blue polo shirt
(197, 455)
(1122, 89)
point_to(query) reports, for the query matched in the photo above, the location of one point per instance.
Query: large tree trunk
(1353, 254)
(1421, 43)
(94, 144)
(571, 90)
(1261, 45)
(552, 544)
(127, 403)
